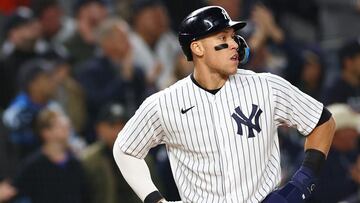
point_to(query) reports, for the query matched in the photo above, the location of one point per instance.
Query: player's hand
(297, 190)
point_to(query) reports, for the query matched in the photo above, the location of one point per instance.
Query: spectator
(89, 14)
(106, 182)
(56, 27)
(271, 49)
(69, 93)
(346, 88)
(36, 78)
(112, 76)
(263, 29)
(338, 23)
(312, 74)
(52, 174)
(155, 46)
(22, 32)
(339, 178)
(294, 16)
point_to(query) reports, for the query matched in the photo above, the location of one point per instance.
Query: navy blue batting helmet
(202, 22)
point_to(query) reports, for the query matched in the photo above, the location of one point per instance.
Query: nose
(233, 44)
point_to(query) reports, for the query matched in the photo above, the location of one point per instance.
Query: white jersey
(222, 147)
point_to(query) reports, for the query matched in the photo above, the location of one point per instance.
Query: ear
(197, 48)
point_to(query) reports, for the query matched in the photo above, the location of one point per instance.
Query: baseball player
(220, 123)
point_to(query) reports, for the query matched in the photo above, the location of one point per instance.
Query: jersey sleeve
(143, 131)
(293, 107)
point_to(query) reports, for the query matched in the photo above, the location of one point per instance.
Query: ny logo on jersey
(240, 119)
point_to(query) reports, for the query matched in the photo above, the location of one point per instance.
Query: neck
(351, 78)
(56, 152)
(208, 79)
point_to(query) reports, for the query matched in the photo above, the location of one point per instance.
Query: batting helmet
(203, 22)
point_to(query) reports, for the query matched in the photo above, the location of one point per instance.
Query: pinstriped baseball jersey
(222, 147)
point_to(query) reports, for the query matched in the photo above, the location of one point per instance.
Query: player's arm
(297, 109)
(303, 183)
(137, 174)
(321, 137)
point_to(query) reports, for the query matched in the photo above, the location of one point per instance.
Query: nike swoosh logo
(183, 111)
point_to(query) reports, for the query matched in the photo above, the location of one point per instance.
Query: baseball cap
(344, 116)
(20, 16)
(31, 69)
(112, 113)
(139, 5)
(39, 6)
(80, 3)
(350, 49)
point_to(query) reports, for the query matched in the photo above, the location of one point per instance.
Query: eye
(222, 38)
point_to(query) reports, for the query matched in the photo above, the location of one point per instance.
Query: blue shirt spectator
(38, 87)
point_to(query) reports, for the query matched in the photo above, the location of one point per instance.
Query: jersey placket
(223, 148)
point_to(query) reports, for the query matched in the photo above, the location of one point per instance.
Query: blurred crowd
(72, 72)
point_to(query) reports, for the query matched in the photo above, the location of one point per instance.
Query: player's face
(220, 52)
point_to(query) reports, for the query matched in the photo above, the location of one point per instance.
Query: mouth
(235, 57)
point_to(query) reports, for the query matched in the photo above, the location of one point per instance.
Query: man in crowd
(22, 32)
(106, 184)
(346, 88)
(111, 76)
(38, 87)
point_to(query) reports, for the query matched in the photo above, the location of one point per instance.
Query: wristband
(153, 197)
(314, 160)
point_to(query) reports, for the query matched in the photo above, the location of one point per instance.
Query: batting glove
(297, 190)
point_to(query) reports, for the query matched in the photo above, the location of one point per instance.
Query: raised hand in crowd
(6, 191)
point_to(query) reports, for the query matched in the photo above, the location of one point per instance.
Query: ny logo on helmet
(226, 16)
(240, 119)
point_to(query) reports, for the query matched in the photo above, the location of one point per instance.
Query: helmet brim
(237, 25)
